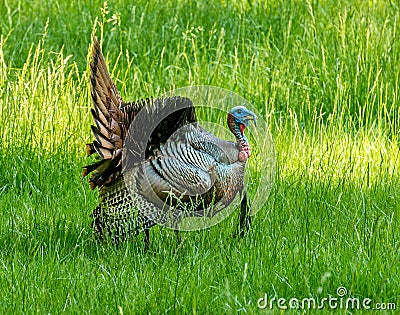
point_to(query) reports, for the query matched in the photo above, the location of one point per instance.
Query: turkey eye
(239, 111)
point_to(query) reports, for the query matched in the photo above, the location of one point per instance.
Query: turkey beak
(251, 116)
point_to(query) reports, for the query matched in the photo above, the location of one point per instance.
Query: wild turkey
(177, 156)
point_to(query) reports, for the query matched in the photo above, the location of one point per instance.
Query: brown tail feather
(106, 115)
(90, 149)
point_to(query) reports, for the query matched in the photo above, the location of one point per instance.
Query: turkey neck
(238, 131)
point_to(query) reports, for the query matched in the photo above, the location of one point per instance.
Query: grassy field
(325, 76)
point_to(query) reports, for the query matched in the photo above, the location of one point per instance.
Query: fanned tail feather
(112, 117)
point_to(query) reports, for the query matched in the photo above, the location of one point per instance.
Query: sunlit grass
(325, 77)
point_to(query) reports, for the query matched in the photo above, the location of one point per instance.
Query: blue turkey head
(243, 115)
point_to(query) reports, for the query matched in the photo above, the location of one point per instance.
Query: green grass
(325, 76)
